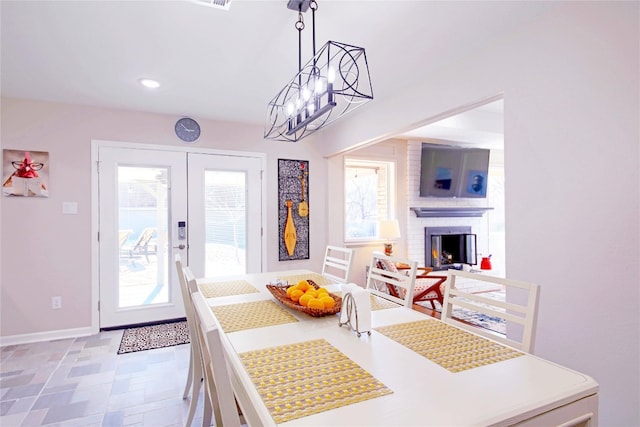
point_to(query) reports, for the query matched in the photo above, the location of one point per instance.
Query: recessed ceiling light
(150, 83)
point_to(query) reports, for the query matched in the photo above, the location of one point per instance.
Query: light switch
(70, 208)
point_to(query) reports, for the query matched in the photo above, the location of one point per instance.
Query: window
(369, 197)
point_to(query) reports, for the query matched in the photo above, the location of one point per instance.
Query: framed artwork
(25, 173)
(293, 209)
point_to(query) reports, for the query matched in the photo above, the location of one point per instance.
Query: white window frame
(390, 190)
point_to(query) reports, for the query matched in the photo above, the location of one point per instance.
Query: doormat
(154, 336)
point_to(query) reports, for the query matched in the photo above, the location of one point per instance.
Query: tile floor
(84, 382)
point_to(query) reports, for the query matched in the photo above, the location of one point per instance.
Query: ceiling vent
(218, 4)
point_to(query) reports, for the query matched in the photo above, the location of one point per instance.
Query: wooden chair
(219, 391)
(519, 310)
(337, 264)
(399, 285)
(195, 374)
(430, 288)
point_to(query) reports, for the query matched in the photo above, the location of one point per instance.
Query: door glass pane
(226, 220)
(142, 235)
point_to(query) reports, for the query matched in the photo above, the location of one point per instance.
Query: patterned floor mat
(154, 336)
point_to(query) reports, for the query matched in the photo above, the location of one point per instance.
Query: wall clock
(187, 129)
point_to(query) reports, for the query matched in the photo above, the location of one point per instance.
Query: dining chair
(337, 263)
(392, 285)
(219, 391)
(195, 373)
(428, 288)
(518, 308)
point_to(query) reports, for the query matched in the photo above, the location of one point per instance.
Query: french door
(153, 204)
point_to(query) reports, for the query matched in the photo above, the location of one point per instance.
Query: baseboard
(46, 336)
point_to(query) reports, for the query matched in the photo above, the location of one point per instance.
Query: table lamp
(389, 230)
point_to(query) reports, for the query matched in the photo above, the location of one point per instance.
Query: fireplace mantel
(455, 212)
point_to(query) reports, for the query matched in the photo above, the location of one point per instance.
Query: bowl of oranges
(307, 297)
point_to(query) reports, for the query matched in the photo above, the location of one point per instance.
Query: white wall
(45, 253)
(572, 161)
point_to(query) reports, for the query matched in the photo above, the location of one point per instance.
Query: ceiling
(481, 127)
(227, 65)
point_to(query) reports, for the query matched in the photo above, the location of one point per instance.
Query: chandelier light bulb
(319, 85)
(311, 108)
(306, 94)
(331, 75)
(290, 109)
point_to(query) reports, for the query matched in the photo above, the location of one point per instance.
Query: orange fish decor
(290, 236)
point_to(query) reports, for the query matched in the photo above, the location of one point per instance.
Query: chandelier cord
(300, 26)
(313, 6)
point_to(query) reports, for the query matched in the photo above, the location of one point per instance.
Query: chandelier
(334, 82)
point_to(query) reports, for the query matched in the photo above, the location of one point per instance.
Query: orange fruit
(322, 291)
(311, 292)
(304, 299)
(296, 294)
(327, 301)
(315, 303)
(303, 285)
(290, 289)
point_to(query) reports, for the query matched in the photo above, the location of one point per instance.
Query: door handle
(180, 246)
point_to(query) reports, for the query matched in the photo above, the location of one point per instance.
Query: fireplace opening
(449, 247)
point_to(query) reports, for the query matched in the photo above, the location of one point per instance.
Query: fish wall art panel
(293, 209)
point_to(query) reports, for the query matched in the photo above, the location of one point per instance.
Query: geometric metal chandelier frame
(331, 84)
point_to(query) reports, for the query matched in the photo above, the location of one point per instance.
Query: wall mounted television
(449, 171)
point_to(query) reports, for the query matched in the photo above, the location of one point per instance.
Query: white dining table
(524, 390)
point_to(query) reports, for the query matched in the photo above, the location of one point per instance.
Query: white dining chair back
(337, 264)
(385, 281)
(195, 373)
(518, 307)
(217, 376)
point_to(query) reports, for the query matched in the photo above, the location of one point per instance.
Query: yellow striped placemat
(223, 289)
(377, 303)
(305, 378)
(250, 315)
(452, 348)
(318, 279)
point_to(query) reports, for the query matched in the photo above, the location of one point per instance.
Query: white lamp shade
(389, 229)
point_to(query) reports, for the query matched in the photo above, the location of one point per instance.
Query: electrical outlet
(56, 303)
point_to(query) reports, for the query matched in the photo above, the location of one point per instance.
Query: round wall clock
(187, 129)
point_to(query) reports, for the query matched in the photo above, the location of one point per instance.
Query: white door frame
(95, 262)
